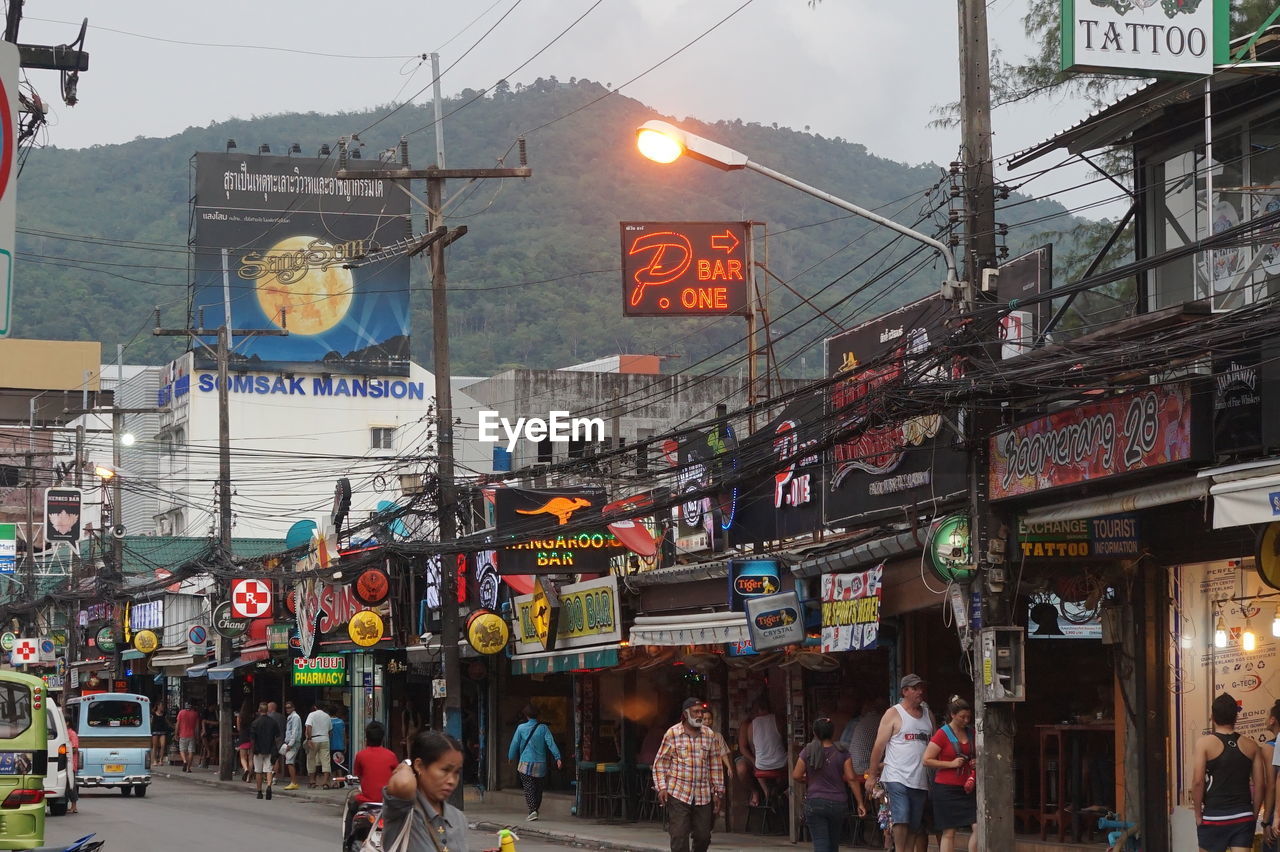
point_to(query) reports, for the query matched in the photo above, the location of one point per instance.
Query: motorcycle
(84, 844)
(366, 828)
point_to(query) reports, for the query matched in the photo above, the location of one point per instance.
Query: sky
(869, 71)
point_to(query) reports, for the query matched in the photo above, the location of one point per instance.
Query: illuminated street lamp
(663, 142)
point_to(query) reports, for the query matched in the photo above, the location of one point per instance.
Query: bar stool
(588, 789)
(770, 816)
(611, 791)
(1052, 782)
(646, 796)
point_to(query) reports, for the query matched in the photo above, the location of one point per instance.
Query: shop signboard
(1106, 537)
(685, 268)
(322, 611)
(703, 460)
(589, 615)
(1118, 435)
(534, 520)
(851, 610)
(278, 637)
(883, 466)
(788, 501)
(775, 621)
(62, 507)
(1237, 403)
(147, 615)
(8, 548)
(283, 242)
(320, 671)
(1021, 280)
(487, 632)
(752, 578)
(1143, 38)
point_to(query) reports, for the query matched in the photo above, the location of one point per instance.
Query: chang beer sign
(1144, 38)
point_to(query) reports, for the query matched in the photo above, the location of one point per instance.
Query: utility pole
(994, 721)
(222, 354)
(438, 236)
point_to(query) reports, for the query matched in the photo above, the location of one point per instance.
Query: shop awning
(568, 660)
(226, 670)
(699, 628)
(178, 660)
(1254, 500)
(1160, 494)
(200, 670)
(91, 664)
(132, 654)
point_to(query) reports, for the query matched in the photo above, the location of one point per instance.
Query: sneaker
(291, 786)
(259, 794)
(268, 793)
(532, 817)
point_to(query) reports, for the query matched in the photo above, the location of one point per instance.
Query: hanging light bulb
(1249, 639)
(1275, 622)
(1220, 633)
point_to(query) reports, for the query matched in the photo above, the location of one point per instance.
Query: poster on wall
(851, 610)
(282, 242)
(1199, 670)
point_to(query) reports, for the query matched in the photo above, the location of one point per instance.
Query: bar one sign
(1121, 434)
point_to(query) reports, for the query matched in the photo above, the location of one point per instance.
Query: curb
(276, 792)
(525, 829)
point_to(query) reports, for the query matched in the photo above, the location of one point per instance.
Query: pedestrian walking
(318, 726)
(826, 771)
(1226, 783)
(529, 747)
(897, 761)
(264, 734)
(160, 732)
(273, 710)
(73, 786)
(244, 743)
(688, 775)
(416, 798)
(292, 741)
(951, 754)
(188, 728)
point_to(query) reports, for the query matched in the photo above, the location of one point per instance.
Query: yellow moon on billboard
(313, 295)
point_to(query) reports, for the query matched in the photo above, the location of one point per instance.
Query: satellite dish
(397, 527)
(300, 534)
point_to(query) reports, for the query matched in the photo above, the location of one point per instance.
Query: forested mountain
(536, 281)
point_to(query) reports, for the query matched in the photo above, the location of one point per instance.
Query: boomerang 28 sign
(685, 268)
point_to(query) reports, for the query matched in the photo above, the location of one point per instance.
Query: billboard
(62, 514)
(536, 516)
(282, 242)
(1021, 279)
(887, 465)
(685, 268)
(786, 502)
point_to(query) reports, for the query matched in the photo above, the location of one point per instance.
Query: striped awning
(565, 661)
(702, 628)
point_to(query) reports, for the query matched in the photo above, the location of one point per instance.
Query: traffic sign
(685, 268)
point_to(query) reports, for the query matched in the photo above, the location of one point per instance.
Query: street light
(663, 142)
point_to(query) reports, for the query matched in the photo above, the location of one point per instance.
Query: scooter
(84, 844)
(366, 828)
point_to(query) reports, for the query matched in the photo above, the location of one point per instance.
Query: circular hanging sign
(6, 641)
(949, 551)
(487, 631)
(145, 641)
(372, 586)
(250, 598)
(106, 640)
(227, 625)
(365, 628)
(198, 635)
(1267, 557)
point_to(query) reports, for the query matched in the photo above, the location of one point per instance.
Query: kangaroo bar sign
(548, 532)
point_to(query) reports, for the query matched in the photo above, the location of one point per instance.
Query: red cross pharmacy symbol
(250, 599)
(25, 652)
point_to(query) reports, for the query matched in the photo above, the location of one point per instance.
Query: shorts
(318, 759)
(187, 744)
(906, 805)
(1220, 838)
(290, 755)
(263, 762)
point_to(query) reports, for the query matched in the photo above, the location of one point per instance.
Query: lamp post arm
(937, 245)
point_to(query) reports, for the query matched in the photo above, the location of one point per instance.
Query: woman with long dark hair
(826, 771)
(416, 799)
(951, 753)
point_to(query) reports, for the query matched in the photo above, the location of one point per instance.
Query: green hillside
(103, 231)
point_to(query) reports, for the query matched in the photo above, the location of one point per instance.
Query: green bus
(24, 759)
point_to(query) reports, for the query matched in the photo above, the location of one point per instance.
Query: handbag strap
(528, 739)
(955, 741)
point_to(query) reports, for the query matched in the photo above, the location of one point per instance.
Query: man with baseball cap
(897, 761)
(688, 775)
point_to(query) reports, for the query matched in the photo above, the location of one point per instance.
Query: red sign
(1121, 434)
(250, 598)
(684, 268)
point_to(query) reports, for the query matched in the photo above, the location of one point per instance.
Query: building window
(382, 437)
(544, 451)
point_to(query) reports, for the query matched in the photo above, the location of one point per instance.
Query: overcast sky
(867, 70)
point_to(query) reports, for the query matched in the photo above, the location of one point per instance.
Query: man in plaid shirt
(688, 775)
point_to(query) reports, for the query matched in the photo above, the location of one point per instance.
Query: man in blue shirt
(529, 746)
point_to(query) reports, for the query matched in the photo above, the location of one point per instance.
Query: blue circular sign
(46, 646)
(197, 635)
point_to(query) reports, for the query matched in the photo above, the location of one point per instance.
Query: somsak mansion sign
(1122, 434)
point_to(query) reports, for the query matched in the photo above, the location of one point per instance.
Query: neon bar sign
(684, 268)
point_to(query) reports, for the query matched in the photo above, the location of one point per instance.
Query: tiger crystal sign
(320, 671)
(1144, 38)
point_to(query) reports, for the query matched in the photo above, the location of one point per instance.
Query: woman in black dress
(951, 753)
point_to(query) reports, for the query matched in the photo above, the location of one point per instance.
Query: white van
(60, 776)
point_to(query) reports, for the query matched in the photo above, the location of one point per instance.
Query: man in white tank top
(897, 761)
(764, 754)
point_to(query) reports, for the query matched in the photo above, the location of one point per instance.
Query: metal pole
(439, 102)
(1208, 178)
(753, 307)
(226, 745)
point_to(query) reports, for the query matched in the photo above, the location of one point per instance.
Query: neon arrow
(725, 242)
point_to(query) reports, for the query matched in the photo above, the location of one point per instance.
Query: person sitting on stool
(764, 755)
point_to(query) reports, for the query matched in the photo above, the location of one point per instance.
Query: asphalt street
(186, 817)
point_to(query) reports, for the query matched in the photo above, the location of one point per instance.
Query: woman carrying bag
(529, 746)
(415, 803)
(827, 773)
(952, 752)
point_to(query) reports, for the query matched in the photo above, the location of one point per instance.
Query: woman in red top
(951, 752)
